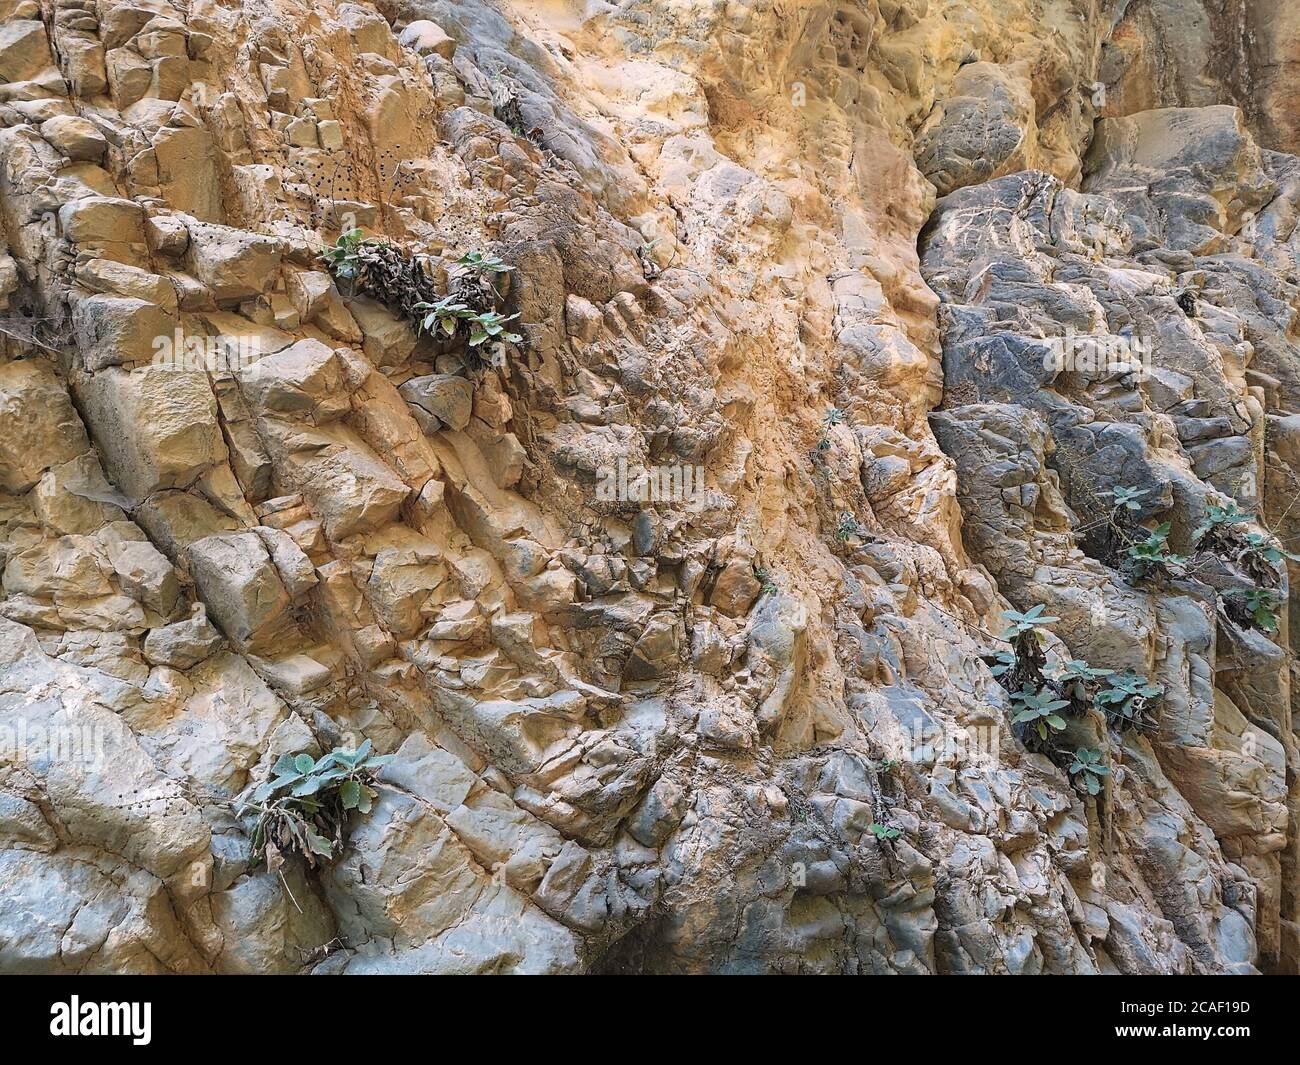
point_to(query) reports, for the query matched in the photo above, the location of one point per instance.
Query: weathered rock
(677, 612)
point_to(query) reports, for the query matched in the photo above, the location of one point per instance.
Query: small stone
(183, 644)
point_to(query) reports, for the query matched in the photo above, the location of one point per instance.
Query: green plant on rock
(1000, 663)
(1217, 518)
(1126, 498)
(1022, 666)
(1126, 700)
(1038, 712)
(1259, 551)
(1088, 770)
(1030, 623)
(1255, 607)
(450, 315)
(848, 529)
(764, 578)
(1078, 682)
(404, 282)
(347, 254)
(1151, 557)
(480, 263)
(884, 832)
(380, 270)
(833, 416)
(305, 805)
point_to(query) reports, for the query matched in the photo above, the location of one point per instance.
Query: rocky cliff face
(843, 329)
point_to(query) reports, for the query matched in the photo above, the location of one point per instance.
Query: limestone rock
(842, 330)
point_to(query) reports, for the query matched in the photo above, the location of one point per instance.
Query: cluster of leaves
(1151, 556)
(833, 416)
(848, 529)
(1038, 712)
(1041, 704)
(1259, 557)
(1029, 623)
(470, 307)
(764, 578)
(305, 805)
(1126, 499)
(883, 832)
(1026, 634)
(1254, 607)
(1079, 682)
(1088, 769)
(1139, 553)
(1001, 663)
(1126, 700)
(379, 269)
(1217, 526)
(1119, 526)
(1258, 550)
(451, 314)
(1034, 701)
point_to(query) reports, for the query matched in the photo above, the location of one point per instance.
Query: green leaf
(309, 786)
(304, 763)
(1056, 722)
(350, 793)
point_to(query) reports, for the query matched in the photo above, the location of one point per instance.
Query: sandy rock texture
(826, 257)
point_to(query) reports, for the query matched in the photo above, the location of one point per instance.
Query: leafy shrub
(379, 269)
(1038, 712)
(345, 256)
(1127, 698)
(1030, 622)
(478, 263)
(1258, 547)
(1255, 607)
(1127, 499)
(384, 272)
(1088, 770)
(450, 314)
(1078, 682)
(1217, 518)
(848, 529)
(1000, 663)
(1027, 636)
(883, 832)
(1076, 675)
(1152, 557)
(305, 804)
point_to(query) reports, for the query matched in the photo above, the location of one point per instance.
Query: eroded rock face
(675, 613)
